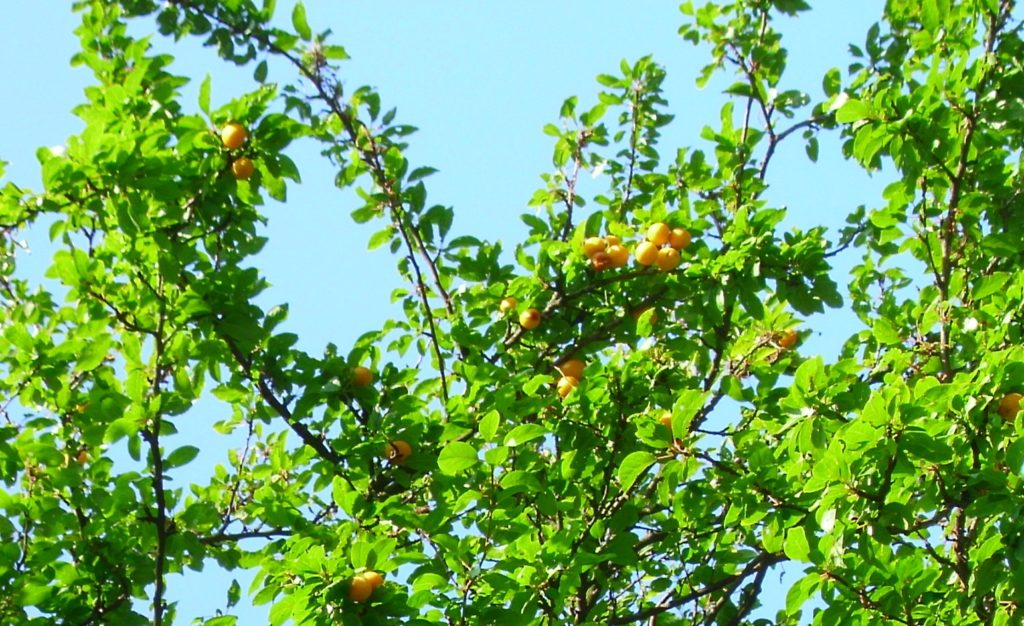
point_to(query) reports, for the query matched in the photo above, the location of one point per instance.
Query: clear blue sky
(480, 80)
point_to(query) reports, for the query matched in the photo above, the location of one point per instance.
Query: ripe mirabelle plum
(529, 319)
(668, 259)
(593, 245)
(566, 384)
(658, 234)
(233, 135)
(1009, 406)
(572, 367)
(618, 254)
(397, 452)
(646, 253)
(679, 238)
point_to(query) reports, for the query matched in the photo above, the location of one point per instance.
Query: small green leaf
(456, 457)
(633, 466)
(523, 433)
(204, 95)
(796, 546)
(853, 111)
(885, 332)
(182, 456)
(300, 23)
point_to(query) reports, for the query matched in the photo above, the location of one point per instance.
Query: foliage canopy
(890, 478)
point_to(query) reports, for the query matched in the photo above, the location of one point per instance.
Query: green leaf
(204, 95)
(121, 428)
(885, 332)
(523, 433)
(796, 546)
(456, 457)
(300, 23)
(853, 111)
(182, 456)
(633, 466)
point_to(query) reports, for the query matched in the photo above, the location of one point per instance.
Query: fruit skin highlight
(1009, 406)
(529, 319)
(233, 135)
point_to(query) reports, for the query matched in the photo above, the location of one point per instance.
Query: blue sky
(480, 80)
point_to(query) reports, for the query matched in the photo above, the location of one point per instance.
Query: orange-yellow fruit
(243, 168)
(397, 451)
(668, 259)
(618, 254)
(374, 578)
(361, 376)
(679, 238)
(529, 319)
(83, 456)
(666, 420)
(233, 135)
(566, 384)
(788, 339)
(601, 261)
(593, 245)
(360, 589)
(572, 368)
(658, 233)
(611, 240)
(1009, 406)
(646, 253)
(508, 304)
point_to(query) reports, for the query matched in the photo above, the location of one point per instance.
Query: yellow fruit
(618, 254)
(360, 589)
(593, 245)
(668, 259)
(361, 376)
(83, 456)
(601, 261)
(679, 238)
(788, 339)
(646, 253)
(508, 304)
(666, 420)
(1009, 406)
(658, 233)
(611, 240)
(374, 578)
(242, 168)
(566, 384)
(233, 135)
(529, 319)
(397, 451)
(572, 368)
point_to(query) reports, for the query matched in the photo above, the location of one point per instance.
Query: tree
(696, 450)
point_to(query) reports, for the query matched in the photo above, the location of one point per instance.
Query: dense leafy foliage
(888, 477)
